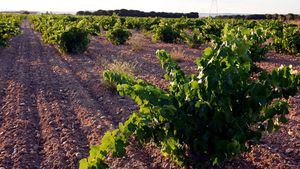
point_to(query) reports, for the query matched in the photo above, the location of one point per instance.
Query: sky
(201, 6)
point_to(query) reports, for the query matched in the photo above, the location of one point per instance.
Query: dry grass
(178, 54)
(120, 67)
(296, 22)
(147, 34)
(136, 42)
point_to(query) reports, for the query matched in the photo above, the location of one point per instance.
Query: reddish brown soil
(53, 106)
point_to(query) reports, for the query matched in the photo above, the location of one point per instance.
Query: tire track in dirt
(57, 123)
(78, 98)
(71, 111)
(74, 117)
(49, 119)
(80, 70)
(117, 108)
(108, 101)
(19, 141)
(6, 63)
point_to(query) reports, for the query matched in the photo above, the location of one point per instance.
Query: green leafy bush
(9, 27)
(206, 118)
(165, 32)
(138, 23)
(254, 37)
(275, 27)
(118, 35)
(63, 31)
(257, 37)
(6, 32)
(74, 40)
(291, 39)
(286, 38)
(212, 28)
(108, 22)
(91, 27)
(193, 39)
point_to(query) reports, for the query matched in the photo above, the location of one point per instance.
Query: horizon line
(74, 12)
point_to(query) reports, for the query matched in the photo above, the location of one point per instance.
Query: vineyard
(141, 92)
(10, 26)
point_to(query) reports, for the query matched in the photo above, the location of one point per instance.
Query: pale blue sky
(202, 6)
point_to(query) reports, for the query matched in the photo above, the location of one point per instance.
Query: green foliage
(276, 30)
(166, 32)
(64, 31)
(212, 28)
(286, 38)
(206, 118)
(9, 27)
(141, 23)
(108, 22)
(118, 35)
(92, 28)
(74, 40)
(291, 39)
(184, 23)
(193, 39)
(255, 39)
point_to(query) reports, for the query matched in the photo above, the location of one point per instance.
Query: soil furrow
(84, 71)
(70, 117)
(64, 141)
(88, 110)
(92, 119)
(20, 128)
(7, 60)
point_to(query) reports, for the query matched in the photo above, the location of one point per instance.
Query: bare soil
(53, 106)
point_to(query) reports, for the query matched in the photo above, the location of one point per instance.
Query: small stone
(35, 147)
(86, 127)
(77, 154)
(64, 130)
(289, 150)
(63, 139)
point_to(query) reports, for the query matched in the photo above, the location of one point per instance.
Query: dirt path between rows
(53, 106)
(49, 114)
(47, 118)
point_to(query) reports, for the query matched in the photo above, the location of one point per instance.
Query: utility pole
(214, 9)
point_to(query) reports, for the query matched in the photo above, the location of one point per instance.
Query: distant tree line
(137, 13)
(289, 16)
